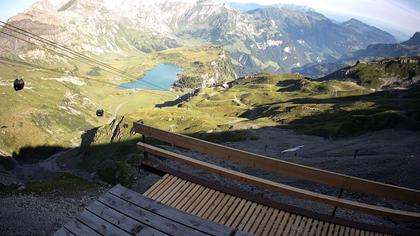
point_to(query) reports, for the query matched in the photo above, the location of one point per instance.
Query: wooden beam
(277, 187)
(283, 167)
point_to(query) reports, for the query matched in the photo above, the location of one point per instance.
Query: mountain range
(379, 51)
(273, 39)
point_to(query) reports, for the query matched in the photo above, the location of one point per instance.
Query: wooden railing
(285, 168)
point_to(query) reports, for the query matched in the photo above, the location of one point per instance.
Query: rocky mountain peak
(354, 22)
(414, 40)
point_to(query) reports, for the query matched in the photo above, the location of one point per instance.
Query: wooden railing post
(145, 153)
(339, 196)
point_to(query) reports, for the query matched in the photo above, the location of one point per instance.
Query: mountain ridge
(271, 39)
(379, 51)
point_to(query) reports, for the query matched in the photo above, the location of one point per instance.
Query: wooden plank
(150, 218)
(176, 197)
(241, 215)
(251, 220)
(169, 213)
(63, 232)
(347, 231)
(264, 221)
(314, 227)
(161, 187)
(193, 198)
(270, 222)
(229, 214)
(307, 226)
(154, 186)
(292, 191)
(169, 187)
(283, 224)
(161, 192)
(283, 167)
(301, 227)
(289, 224)
(206, 207)
(174, 192)
(181, 198)
(295, 225)
(203, 202)
(160, 184)
(257, 223)
(337, 229)
(78, 228)
(225, 209)
(320, 228)
(100, 225)
(198, 200)
(122, 221)
(187, 198)
(331, 230)
(325, 228)
(247, 216)
(277, 222)
(214, 205)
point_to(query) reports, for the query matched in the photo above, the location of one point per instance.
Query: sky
(396, 16)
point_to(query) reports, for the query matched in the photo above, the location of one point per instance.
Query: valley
(281, 80)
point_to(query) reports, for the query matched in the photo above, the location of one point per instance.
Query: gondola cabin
(99, 112)
(18, 84)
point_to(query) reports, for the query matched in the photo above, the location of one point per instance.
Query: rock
(21, 188)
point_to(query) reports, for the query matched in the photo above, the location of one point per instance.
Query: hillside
(291, 101)
(60, 100)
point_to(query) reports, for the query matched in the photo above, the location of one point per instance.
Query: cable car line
(7, 25)
(75, 53)
(8, 61)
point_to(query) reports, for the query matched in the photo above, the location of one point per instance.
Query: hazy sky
(401, 15)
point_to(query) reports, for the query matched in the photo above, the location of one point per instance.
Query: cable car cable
(56, 45)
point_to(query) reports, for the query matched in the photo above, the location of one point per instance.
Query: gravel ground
(40, 215)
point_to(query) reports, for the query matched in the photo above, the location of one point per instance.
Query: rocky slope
(408, 48)
(391, 73)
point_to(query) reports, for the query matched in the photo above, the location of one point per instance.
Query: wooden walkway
(245, 215)
(124, 212)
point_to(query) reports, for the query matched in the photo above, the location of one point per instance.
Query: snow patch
(70, 110)
(69, 79)
(301, 41)
(274, 42)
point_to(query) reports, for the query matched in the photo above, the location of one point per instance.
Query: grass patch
(63, 185)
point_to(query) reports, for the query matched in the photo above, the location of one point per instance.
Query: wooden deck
(121, 211)
(245, 215)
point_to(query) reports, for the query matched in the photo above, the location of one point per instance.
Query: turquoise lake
(162, 75)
